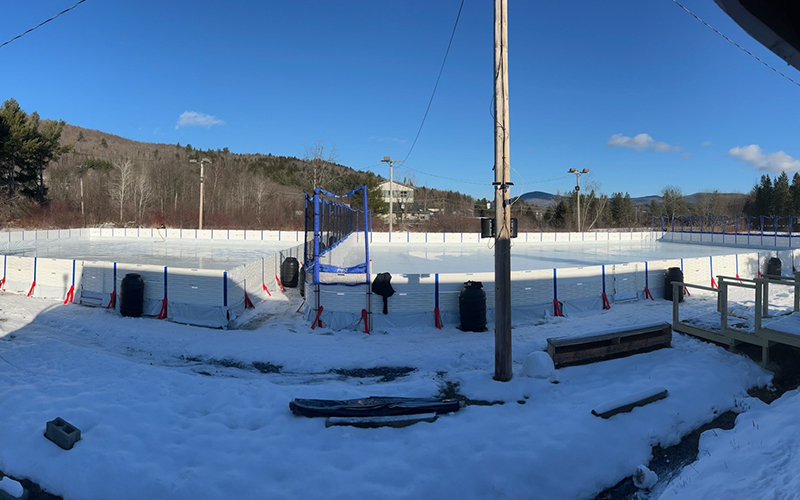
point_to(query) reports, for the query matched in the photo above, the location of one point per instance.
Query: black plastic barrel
(302, 280)
(472, 307)
(774, 266)
(131, 295)
(289, 272)
(673, 274)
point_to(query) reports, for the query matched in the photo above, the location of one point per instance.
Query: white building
(402, 193)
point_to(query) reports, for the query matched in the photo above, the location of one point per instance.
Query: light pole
(387, 159)
(578, 191)
(202, 163)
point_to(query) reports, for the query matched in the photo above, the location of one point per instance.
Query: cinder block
(62, 433)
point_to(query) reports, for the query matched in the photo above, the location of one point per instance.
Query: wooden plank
(625, 405)
(566, 341)
(603, 352)
(375, 422)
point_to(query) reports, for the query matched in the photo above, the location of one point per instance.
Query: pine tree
(781, 195)
(795, 189)
(763, 196)
(26, 150)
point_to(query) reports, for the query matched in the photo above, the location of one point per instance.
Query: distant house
(402, 193)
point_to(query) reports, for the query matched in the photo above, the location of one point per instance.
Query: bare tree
(673, 201)
(142, 195)
(320, 165)
(120, 185)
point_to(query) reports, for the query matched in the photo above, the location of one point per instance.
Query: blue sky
(639, 92)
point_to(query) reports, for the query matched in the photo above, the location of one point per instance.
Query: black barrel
(302, 280)
(774, 266)
(289, 272)
(131, 295)
(472, 307)
(673, 274)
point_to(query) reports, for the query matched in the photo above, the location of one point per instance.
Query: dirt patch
(386, 373)
(452, 390)
(669, 462)
(267, 367)
(33, 489)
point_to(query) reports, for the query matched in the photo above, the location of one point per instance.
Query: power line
(441, 69)
(718, 32)
(40, 24)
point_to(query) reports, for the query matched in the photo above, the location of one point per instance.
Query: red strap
(248, 304)
(264, 286)
(738, 278)
(647, 293)
(163, 313)
(759, 273)
(70, 295)
(437, 318)
(713, 283)
(2, 283)
(557, 308)
(280, 285)
(366, 322)
(686, 291)
(606, 305)
(317, 321)
(33, 285)
(112, 302)
(301, 306)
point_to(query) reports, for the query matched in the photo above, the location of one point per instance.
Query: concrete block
(62, 433)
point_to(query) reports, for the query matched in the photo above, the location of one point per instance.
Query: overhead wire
(718, 32)
(438, 78)
(40, 24)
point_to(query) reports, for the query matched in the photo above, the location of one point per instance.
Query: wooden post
(502, 248)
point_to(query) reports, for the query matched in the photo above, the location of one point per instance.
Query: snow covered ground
(170, 411)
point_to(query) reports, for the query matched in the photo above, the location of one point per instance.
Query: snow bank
(538, 365)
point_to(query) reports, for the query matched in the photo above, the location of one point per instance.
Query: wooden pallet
(567, 351)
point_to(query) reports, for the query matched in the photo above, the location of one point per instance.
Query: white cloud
(195, 119)
(685, 156)
(772, 162)
(641, 142)
(706, 143)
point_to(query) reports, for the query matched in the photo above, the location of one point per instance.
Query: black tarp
(373, 406)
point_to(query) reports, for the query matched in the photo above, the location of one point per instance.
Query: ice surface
(11, 487)
(422, 258)
(184, 252)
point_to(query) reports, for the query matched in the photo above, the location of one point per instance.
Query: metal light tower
(202, 163)
(387, 159)
(578, 191)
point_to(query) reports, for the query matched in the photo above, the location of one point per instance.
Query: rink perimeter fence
(210, 297)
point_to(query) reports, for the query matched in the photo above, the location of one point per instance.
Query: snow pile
(758, 458)
(644, 478)
(13, 488)
(538, 365)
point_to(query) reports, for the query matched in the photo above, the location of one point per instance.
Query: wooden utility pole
(202, 163)
(502, 214)
(387, 159)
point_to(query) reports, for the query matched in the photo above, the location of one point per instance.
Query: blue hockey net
(337, 238)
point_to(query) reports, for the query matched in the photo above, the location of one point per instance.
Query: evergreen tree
(621, 209)
(26, 150)
(781, 195)
(762, 204)
(795, 190)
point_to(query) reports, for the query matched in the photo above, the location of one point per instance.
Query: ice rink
(185, 252)
(416, 258)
